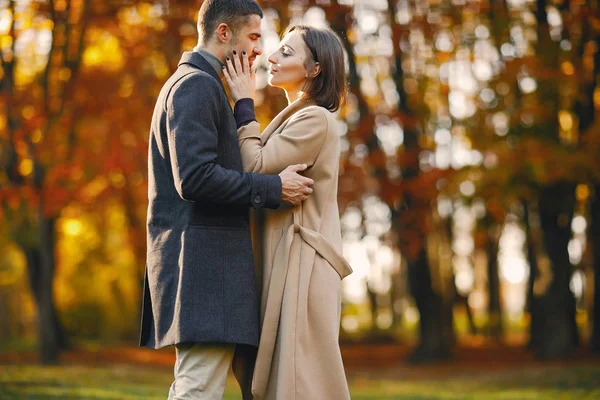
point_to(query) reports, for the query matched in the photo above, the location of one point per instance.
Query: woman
(299, 356)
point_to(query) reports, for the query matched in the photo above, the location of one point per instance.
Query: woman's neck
(293, 95)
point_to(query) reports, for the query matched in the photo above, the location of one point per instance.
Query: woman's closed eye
(285, 51)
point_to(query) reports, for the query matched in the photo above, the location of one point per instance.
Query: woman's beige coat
(299, 356)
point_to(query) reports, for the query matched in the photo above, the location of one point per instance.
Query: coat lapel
(283, 116)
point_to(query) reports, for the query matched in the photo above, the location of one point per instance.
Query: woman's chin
(272, 81)
(276, 83)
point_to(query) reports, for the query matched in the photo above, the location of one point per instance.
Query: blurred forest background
(470, 179)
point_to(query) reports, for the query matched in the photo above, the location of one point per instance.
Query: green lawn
(135, 382)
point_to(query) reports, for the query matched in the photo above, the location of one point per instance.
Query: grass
(126, 382)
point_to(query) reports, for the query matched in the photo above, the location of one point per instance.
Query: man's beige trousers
(201, 371)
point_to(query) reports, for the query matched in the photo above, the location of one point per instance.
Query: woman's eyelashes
(285, 52)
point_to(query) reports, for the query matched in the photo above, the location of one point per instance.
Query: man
(199, 289)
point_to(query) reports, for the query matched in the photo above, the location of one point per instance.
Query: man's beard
(234, 46)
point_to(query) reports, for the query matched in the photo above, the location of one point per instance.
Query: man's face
(248, 39)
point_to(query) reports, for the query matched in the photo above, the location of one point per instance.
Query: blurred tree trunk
(493, 273)
(464, 301)
(595, 240)
(587, 115)
(435, 314)
(68, 32)
(136, 232)
(397, 292)
(372, 296)
(5, 328)
(435, 311)
(595, 214)
(585, 110)
(449, 292)
(435, 326)
(556, 305)
(40, 260)
(34, 268)
(137, 240)
(41, 267)
(435, 340)
(48, 337)
(531, 252)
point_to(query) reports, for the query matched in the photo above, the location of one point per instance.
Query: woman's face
(288, 63)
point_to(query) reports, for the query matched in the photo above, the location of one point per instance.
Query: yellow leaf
(582, 192)
(26, 167)
(567, 68)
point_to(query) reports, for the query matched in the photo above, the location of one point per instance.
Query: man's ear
(223, 33)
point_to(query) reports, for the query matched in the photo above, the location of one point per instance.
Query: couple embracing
(207, 166)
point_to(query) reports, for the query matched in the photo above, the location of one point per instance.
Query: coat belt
(322, 246)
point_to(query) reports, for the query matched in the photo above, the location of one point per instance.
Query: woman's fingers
(238, 64)
(246, 63)
(239, 76)
(226, 75)
(230, 67)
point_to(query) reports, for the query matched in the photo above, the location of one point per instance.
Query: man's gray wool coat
(199, 284)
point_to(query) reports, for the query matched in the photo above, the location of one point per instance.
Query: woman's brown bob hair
(328, 88)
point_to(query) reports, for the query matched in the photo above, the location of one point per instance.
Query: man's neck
(212, 49)
(211, 58)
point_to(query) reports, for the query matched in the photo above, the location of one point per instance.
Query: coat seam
(324, 136)
(173, 86)
(223, 286)
(296, 320)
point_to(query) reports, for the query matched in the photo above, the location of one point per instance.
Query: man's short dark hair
(234, 13)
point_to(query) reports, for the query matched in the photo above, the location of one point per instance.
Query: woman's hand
(239, 76)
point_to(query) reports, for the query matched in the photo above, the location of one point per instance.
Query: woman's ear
(316, 71)
(223, 33)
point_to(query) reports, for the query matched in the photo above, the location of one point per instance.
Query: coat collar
(194, 58)
(284, 116)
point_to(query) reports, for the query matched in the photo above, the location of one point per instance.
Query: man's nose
(258, 49)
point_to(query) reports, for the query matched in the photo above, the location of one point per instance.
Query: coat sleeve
(193, 117)
(299, 142)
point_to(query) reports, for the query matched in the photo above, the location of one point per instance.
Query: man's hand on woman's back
(295, 188)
